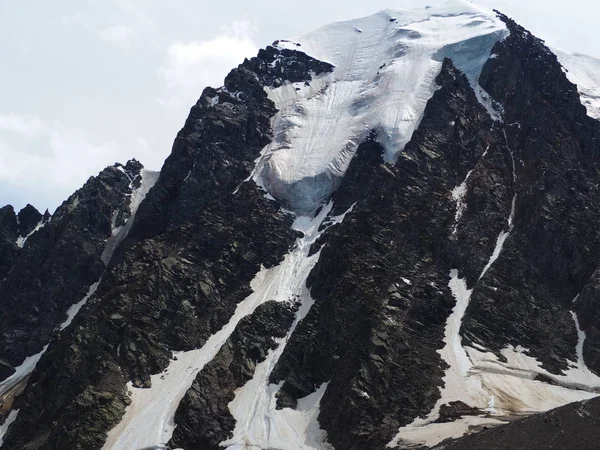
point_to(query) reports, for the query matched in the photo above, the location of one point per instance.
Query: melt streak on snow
(150, 418)
(584, 71)
(385, 70)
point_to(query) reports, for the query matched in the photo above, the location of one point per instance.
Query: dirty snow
(149, 419)
(21, 373)
(382, 80)
(584, 71)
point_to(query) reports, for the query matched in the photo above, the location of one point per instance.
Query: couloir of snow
(584, 71)
(149, 419)
(22, 372)
(385, 70)
(74, 309)
(259, 424)
(12, 416)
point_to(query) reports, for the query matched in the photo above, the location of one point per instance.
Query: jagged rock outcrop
(8, 238)
(197, 241)
(28, 218)
(14, 230)
(60, 261)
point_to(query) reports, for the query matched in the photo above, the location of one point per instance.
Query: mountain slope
(584, 71)
(380, 234)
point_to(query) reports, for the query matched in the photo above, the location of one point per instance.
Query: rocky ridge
(197, 240)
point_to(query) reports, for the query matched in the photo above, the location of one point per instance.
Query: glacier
(385, 70)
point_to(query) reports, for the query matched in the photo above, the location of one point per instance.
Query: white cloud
(26, 125)
(118, 35)
(57, 159)
(130, 24)
(191, 66)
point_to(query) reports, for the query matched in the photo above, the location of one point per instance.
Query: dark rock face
(553, 250)
(58, 262)
(381, 284)
(28, 218)
(587, 306)
(576, 425)
(8, 237)
(203, 418)
(197, 241)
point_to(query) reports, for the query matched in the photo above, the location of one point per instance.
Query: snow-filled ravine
(385, 70)
(16, 382)
(149, 419)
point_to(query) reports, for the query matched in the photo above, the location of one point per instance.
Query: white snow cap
(385, 70)
(584, 71)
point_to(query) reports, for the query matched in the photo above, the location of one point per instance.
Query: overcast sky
(86, 83)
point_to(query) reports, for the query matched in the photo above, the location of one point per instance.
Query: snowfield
(385, 70)
(584, 71)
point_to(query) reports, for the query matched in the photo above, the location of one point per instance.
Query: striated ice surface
(385, 70)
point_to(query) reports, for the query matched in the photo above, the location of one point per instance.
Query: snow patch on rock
(9, 420)
(22, 239)
(118, 234)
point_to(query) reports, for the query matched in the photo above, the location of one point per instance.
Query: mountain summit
(381, 234)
